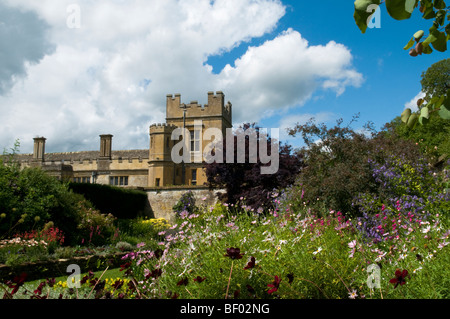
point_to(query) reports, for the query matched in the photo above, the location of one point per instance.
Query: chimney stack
(39, 149)
(105, 146)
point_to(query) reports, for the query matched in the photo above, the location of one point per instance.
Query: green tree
(433, 139)
(436, 79)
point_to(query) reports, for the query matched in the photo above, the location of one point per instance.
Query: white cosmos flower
(317, 251)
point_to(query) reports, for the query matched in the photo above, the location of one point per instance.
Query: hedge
(121, 203)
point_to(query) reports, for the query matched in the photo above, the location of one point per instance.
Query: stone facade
(151, 167)
(162, 199)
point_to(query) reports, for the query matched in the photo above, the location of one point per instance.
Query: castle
(148, 168)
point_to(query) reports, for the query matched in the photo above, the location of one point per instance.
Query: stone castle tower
(162, 170)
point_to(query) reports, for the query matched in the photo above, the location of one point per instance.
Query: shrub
(244, 180)
(95, 228)
(124, 246)
(29, 198)
(337, 166)
(409, 190)
(122, 203)
(185, 205)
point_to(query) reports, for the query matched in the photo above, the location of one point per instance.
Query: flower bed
(58, 267)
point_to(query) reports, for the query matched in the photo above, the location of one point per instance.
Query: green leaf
(412, 120)
(397, 9)
(426, 49)
(423, 120)
(429, 13)
(410, 44)
(439, 4)
(410, 5)
(405, 115)
(424, 116)
(418, 35)
(362, 13)
(444, 112)
(425, 112)
(430, 39)
(440, 44)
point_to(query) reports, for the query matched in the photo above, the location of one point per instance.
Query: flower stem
(229, 280)
(97, 282)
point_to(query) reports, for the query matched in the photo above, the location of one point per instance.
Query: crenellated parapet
(162, 128)
(215, 107)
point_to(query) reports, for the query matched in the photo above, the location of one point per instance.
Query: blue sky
(278, 62)
(391, 76)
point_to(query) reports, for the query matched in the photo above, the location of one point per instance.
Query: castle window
(167, 142)
(85, 180)
(118, 180)
(157, 182)
(194, 176)
(195, 141)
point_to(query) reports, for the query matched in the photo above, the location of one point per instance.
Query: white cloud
(112, 74)
(413, 103)
(286, 71)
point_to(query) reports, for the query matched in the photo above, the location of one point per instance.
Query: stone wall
(163, 199)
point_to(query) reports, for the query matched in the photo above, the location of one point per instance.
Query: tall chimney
(39, 149)
(105, 146)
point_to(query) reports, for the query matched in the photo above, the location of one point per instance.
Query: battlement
(215, 107)
(162, 128)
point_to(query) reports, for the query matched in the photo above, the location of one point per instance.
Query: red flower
(399, 278)
(183, 282)
(274, 285)
(38, 290)
(118, 284)
(17, 282)
(290, 278)
(154, 274)
(234, 253)
(125, 266)
(51, 282)
(251, 263)
(199, 279)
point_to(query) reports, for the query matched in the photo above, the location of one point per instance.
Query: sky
(72, 70)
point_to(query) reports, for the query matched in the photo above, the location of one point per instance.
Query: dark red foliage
(245, 179)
